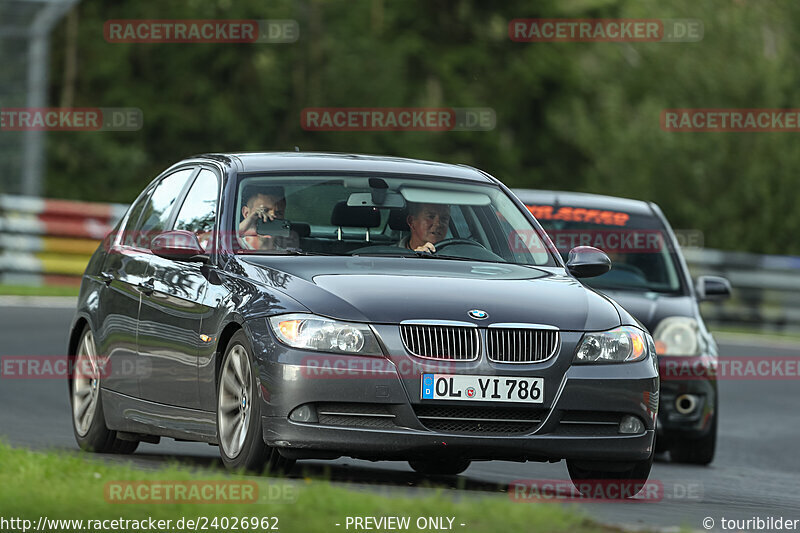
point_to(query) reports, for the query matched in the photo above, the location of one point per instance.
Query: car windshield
(384, 216)
(641, 252)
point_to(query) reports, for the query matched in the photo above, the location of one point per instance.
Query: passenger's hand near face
(265, 208)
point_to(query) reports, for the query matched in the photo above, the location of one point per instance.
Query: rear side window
(198, 213)
(159, 205)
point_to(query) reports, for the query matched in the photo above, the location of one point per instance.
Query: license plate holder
(461, 387)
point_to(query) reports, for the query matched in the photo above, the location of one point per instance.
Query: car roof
(585, 200)
(322, 161)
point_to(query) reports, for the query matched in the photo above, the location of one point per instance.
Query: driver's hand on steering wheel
(427, 247)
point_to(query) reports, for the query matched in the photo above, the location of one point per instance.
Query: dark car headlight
(312, 332)
(624, 344)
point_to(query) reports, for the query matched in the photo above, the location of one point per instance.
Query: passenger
(429, 224)
(266, 204)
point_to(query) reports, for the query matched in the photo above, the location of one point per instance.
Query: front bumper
(686, 380)
(378, 406)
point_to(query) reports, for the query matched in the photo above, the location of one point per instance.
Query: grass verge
(73, 486)
(45, 290)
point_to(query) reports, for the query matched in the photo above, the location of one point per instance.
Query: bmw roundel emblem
(478, 314)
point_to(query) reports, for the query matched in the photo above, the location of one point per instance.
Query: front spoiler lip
(404, 444)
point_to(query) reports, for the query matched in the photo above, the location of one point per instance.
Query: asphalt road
(756, 472)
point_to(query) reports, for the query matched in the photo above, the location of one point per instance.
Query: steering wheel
(447, 242)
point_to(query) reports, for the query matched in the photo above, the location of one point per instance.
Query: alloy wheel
(86, 385)
(235, 401)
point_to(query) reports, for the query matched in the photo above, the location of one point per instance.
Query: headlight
(311, 332)
(677, 335)
(620, 345)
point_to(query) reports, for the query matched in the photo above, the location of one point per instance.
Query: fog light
(304, 413)
(631, 425)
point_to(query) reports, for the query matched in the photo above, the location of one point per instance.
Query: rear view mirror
(588, 262)
(178, 245)
(391, 200)
(712, 288)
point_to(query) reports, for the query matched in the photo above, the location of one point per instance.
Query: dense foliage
(574, 116)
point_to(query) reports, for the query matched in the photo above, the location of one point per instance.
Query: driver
(429, 224)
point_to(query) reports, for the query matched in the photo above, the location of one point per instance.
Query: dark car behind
(650, 278)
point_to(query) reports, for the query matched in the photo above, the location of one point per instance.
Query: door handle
(106, 277)
(147, 287)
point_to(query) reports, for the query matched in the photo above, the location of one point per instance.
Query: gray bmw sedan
(288, 306)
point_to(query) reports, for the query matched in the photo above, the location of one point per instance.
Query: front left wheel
(241, 442)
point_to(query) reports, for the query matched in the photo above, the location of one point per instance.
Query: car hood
(390, 290)
(650, 308)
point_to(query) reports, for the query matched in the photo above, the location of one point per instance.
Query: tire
(241, 441)
(696, 451)
(598, 479)
(88, 419)
(124, 447)
(445, 467)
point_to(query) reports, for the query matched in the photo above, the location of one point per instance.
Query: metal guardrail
(49, 242)
(766, 288)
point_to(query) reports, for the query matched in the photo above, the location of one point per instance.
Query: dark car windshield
(369, 215)
(642, 255)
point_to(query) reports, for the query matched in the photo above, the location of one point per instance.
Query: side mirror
(178, 245)
(712, 288)
(588, 262)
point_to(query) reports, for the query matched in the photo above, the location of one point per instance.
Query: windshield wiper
(429, 255)
(630, 288)
(409, 253)
(295, 251)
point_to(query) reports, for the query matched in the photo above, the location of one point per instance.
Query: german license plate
(483, 388)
